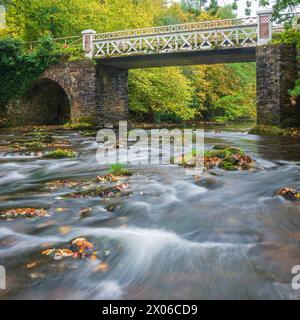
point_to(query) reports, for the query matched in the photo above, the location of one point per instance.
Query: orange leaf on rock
(103, 267)
(64, 230)
(31, 265)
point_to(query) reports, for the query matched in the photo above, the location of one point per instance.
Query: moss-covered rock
(78, 126)
(275, 131)
(222, 156)
(228, 165)
(229, 149)
(60, 154)
(35, 145)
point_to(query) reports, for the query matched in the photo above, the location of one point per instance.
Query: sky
(2, 17)
(241, 5)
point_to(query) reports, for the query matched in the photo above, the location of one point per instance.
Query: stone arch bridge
(99, 91)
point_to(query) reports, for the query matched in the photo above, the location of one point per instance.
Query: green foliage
(241, 103)
(60, 154)
(296, 91)
(216, 92)
(223, 92)
(290, 35)
(19, 68)
(31, 19)
(160, 90)
(119, 170)
(278, 6)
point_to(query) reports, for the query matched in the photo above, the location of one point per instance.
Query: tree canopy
(216, 92)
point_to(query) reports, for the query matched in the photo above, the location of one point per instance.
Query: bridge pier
(112, 92)
(277, 72)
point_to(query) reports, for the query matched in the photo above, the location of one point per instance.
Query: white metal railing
(229, 33)
(193, 26)
(229, 37)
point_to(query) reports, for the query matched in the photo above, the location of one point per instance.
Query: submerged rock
(289, 194)
(58, 253)
(78, 248)
(22, 213)
(81, 186)
(98, 192)
(81, 248)
(38, 142)
(107, 178)
(63, 184)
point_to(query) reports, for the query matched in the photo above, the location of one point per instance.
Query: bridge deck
(218, 56)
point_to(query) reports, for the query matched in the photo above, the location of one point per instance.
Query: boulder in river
(22, 213)
(109, 192)
(78, 248)
(60, 154)
(81, 248)
(289, 194)
(221, 156)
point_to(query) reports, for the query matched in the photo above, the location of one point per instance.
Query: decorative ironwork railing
(229, 37)
(194, 26)
(183, 37)
(229, 33)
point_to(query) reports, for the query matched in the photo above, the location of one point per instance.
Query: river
(171, 237)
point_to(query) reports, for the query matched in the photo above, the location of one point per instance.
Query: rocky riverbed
(71, 228)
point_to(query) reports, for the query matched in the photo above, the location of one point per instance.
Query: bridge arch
(47, 102)
(65, 91)
(78, 82)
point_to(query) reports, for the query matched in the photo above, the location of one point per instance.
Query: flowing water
(171, 237)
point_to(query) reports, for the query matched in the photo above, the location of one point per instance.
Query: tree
(160, 91)
(31, 19)
(170, 94)
(19, 69)
(278, 6)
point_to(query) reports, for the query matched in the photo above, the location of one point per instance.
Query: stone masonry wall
(100, 93)
(276, 74)
(78, 79)
(93, 93)
(112, 91)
